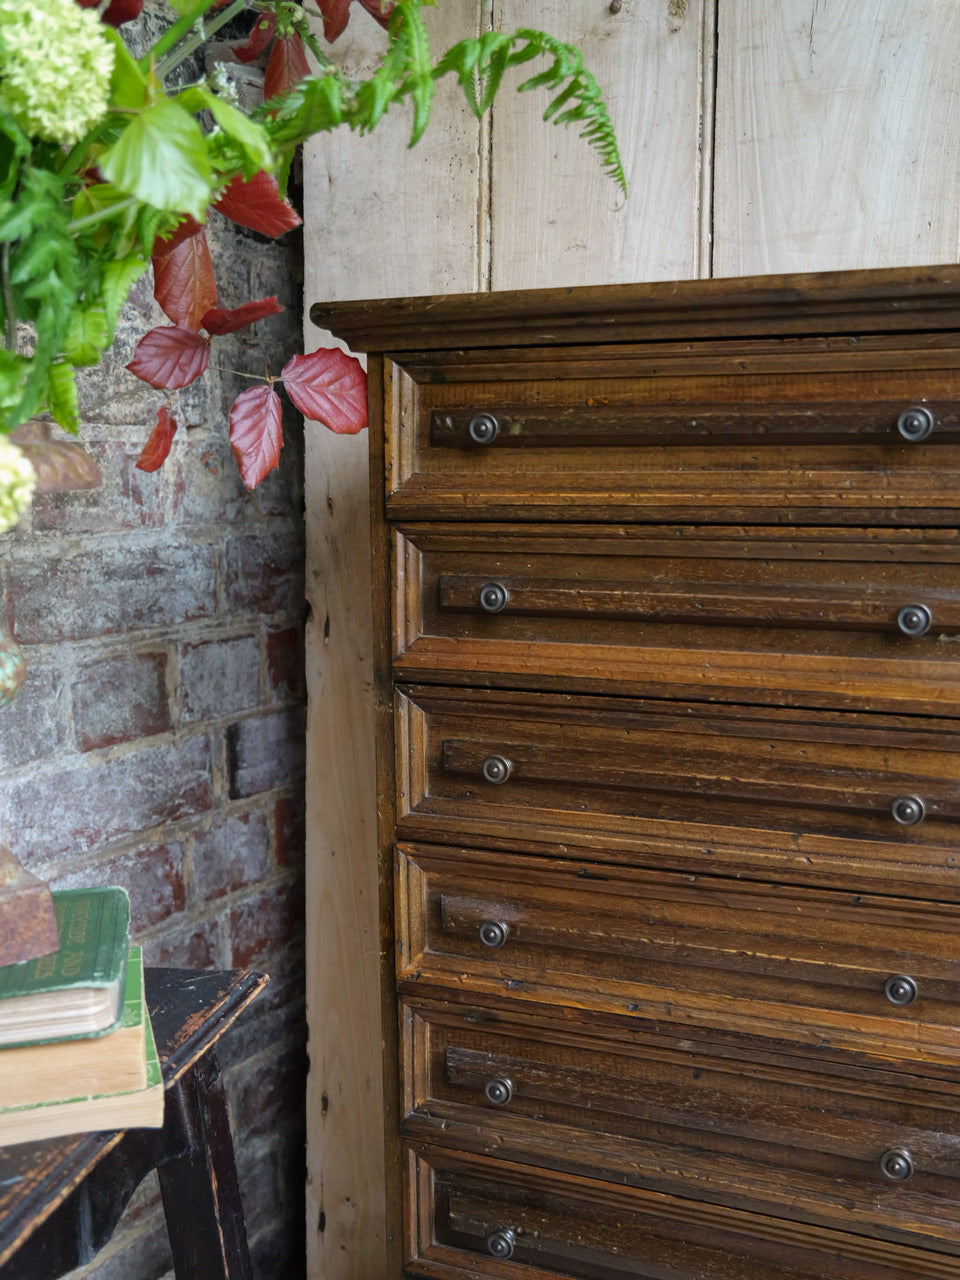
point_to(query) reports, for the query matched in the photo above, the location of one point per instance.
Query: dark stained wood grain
(591, 1230)
(661, 1112)
(883, 301)
(703, 519)
(674, 610)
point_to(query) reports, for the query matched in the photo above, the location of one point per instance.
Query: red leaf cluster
(326, 386)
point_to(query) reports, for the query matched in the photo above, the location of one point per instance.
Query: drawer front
(826, 798)
(877, 975)
(472, 1218)
(802, 437)
(771, 1136)
(852, 618)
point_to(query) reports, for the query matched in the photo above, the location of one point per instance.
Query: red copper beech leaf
(219, 320)
(183, 280)
(258, 40)
(188, 227)
(286, 66)
(155, 451)
(329, 386)
(170, 357)
(256, 434)
(336, 15)
(117, 12)
(258, 204)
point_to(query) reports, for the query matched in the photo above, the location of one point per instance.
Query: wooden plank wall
(758, 135)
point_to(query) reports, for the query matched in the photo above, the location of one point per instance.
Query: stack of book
(77, 1051)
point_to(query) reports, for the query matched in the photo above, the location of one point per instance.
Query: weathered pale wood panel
(380, 221)
(555, 220)
(837, 134)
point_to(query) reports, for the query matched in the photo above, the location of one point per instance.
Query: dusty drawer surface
(773, 1134)
(821, 968)
(755, 432)
(866, 617)
(473, 1218)
(831, 795)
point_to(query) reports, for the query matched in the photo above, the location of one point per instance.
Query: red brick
(233, 854)
(264, 752)
(78, 593)
(153, 877)
(120, 698)
(219, 677)
(126, 499)
(34, 724)
(72, 810)
(290, 830)
(285, 669)
(264, 924)
(190, 945)
(266, 1092)
(264, 573)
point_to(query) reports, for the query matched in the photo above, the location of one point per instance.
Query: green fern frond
(582, 90)
(406, 71)
(480, 64)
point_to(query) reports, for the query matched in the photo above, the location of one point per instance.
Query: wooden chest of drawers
(668, 608)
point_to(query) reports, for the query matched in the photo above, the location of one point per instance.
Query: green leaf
(128, 84)
(88, 336)
(419, 81)
(316, 105)
(248, 135)
(44, 275)
(14, 146)
(61, 397)
(161, 158)
(118, 279)
(13, 379)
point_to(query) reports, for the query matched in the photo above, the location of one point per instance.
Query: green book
(77, 990)
(119, 1076)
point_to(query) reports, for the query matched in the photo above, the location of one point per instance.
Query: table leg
(200, 1189)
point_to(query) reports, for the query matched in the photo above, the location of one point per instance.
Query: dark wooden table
(61, 1199)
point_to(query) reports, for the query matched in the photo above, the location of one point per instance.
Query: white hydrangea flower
(17, 483)
(55, 66)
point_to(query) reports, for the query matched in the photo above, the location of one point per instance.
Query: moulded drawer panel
(464, 1209)
(815, 967)
(776, 1134)
(789, 793)
(761, 433)
(852, 618)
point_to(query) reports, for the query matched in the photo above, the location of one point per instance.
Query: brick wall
(158, 741)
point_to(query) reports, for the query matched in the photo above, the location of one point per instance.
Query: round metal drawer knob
(896, 1164)
(493, 933)
(500, 1244)
(915, 423)
(499, 1091)
(483, 428)
(496, 769)
(914, 619)
(908, 810)
(493, 597)
(900, 989)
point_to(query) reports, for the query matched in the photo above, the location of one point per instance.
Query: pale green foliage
(17, 482)
(55, 65)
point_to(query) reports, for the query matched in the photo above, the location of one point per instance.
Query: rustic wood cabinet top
(825, 303)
